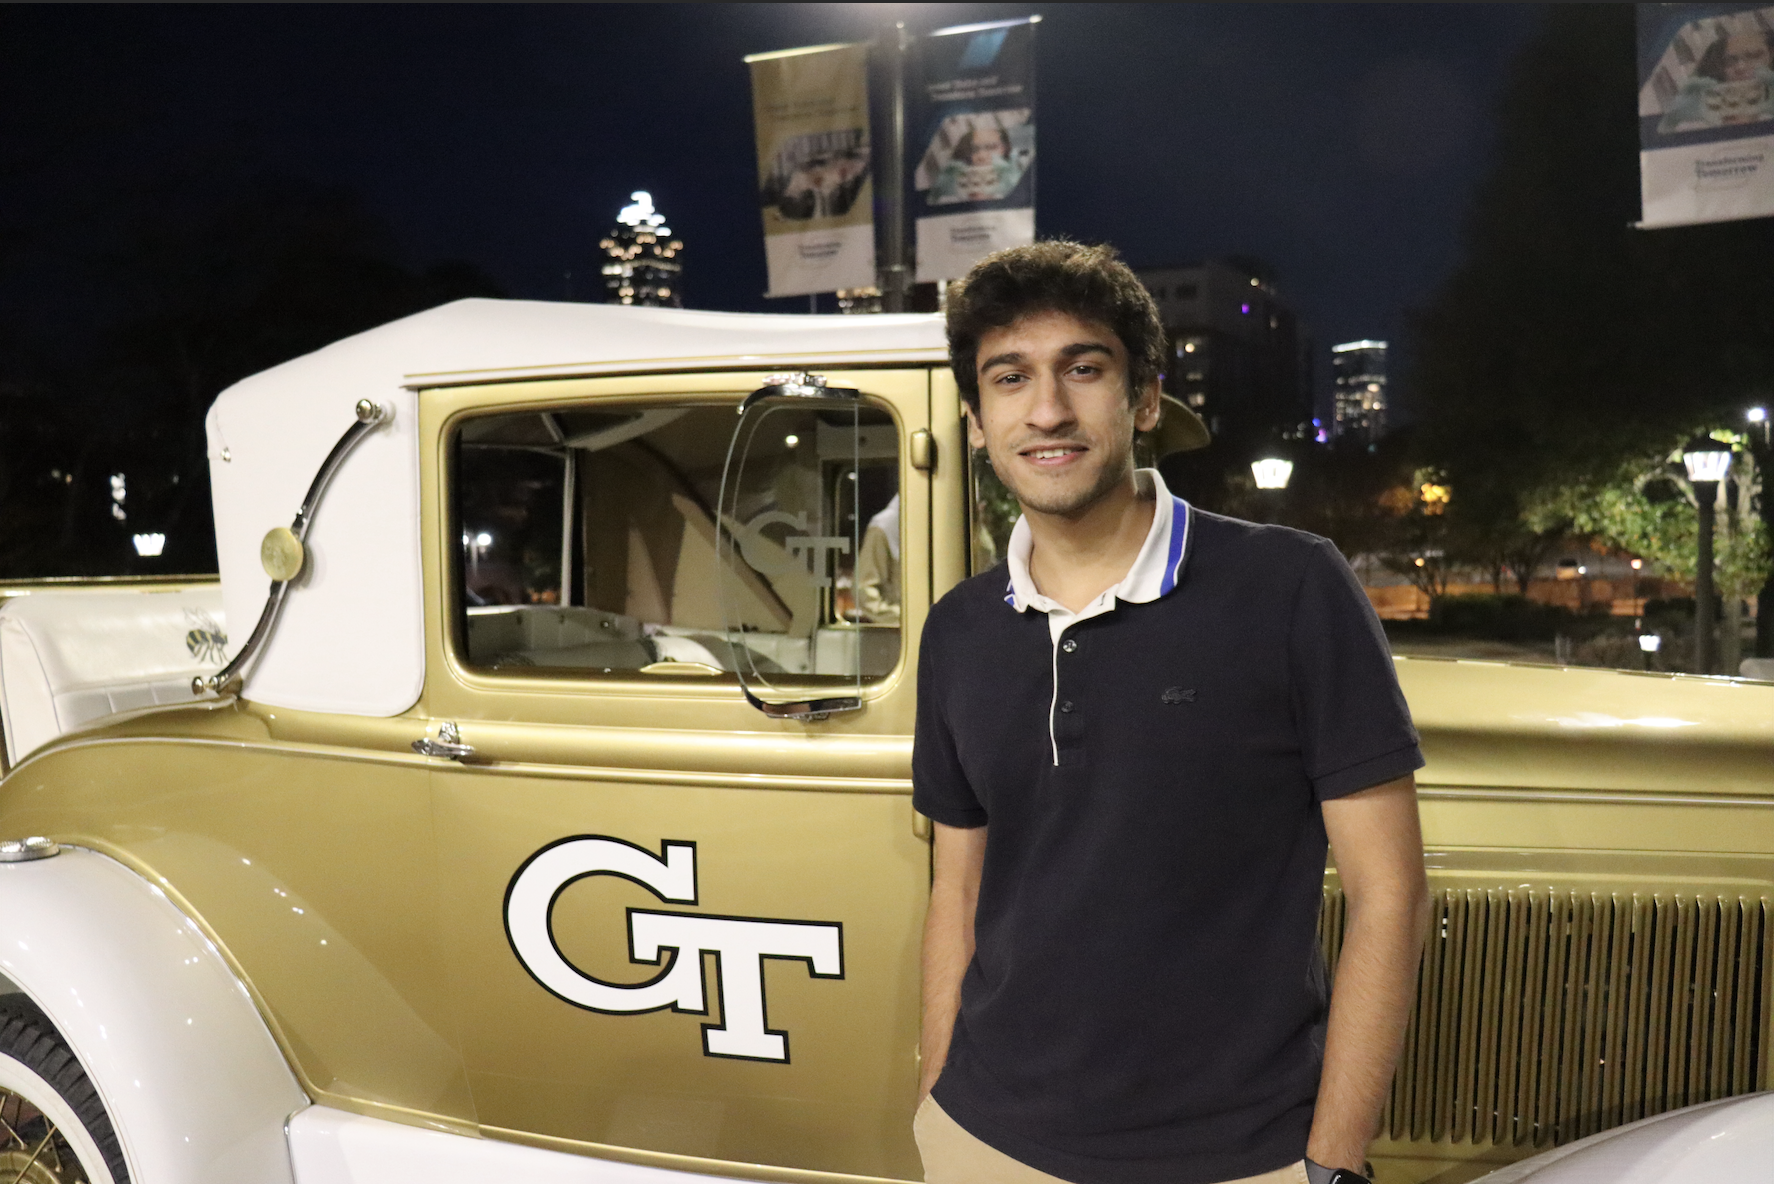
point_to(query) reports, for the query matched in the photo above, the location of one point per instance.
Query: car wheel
(53, 1128)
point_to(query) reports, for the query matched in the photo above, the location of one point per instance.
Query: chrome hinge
(448, 744)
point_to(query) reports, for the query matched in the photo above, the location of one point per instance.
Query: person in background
(877, 568)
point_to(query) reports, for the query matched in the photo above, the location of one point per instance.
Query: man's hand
(1378, 846)
(957, 861)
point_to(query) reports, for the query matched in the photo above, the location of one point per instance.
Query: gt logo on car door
(740, 943)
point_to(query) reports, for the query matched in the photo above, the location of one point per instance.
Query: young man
(1134, 739)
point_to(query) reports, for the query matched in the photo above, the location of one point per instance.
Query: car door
(680, 929)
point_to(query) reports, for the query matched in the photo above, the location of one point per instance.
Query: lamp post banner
(1706, 112)
(972, 126)
(811, 112)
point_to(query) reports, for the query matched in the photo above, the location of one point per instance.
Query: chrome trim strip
(1599, 797)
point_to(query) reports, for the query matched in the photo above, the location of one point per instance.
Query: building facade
(1358, 384)
(1238, 354)
(643, 263)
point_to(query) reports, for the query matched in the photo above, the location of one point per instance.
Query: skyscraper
(641, 264)
(1238, 355)
(1358, 380)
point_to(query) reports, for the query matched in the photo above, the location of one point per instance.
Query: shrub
(1499, 618)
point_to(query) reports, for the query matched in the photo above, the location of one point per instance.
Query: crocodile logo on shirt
(1174, 695)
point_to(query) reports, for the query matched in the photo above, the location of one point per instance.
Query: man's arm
(1378, 845)
(957, 861)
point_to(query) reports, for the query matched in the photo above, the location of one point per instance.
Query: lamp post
(1707, 462)
(1271, 472)
(1763, 452)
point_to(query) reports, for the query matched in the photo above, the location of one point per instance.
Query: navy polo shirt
(1146, 999)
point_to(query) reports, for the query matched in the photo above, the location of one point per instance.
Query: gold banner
(811, 109)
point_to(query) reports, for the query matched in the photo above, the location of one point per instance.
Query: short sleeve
(1355, 729)
(940, 789)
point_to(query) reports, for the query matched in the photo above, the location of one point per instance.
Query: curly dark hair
(1090, 283)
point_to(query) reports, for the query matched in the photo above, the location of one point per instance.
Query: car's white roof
(472, 340)
(351, 636)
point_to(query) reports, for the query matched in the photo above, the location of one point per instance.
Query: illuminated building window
(643, 264)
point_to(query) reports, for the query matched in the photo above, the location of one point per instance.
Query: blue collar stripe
(1179, 537)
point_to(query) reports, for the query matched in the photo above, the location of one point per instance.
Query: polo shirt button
(1068, 645)
(1066, 707)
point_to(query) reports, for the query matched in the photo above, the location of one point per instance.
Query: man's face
(1054, 415)
(1745, 53)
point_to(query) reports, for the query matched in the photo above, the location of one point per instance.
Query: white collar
(1156, 570)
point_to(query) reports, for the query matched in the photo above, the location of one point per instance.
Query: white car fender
(332, 1147)
(193, 1082)
(1730, 1141)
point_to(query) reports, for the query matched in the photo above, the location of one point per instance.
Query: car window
(588, 543)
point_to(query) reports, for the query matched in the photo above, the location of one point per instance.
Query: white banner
(803, 261)
(950, 244)
(1706, 112)
(1708, 182)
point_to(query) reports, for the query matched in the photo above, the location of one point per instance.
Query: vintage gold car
(551, 819)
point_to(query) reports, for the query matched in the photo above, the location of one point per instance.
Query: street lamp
(1272, 472)
(1707, 462)
(1648, 644)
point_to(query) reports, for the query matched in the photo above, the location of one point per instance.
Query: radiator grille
(1542, 1017)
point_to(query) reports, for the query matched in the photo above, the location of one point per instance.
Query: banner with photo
(971, 130)
(1706, 112)
(811, 112)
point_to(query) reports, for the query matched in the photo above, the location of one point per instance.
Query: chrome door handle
(448, 744)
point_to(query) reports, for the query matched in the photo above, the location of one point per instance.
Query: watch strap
(1317, 1173)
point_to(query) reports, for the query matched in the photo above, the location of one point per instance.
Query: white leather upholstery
(68, 658)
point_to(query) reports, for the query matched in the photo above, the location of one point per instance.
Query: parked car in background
(543, 806)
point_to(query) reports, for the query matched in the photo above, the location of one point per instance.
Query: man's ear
(1146, 408)
(976, 435)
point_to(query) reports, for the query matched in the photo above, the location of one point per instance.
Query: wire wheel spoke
(32, 1149)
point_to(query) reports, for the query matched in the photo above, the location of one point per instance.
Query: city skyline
(504, 151)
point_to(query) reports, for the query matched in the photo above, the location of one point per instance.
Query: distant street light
(150, 545)
(1648, 644)
(1707, 462)
(1272, 472)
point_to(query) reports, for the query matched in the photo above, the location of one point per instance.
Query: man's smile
(1052, 455)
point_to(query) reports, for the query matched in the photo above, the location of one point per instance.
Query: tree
(209, 291)
(1649, 508)
(1567, 343)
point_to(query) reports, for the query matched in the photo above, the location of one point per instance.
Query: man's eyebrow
(1076, 349)
(1013, 358)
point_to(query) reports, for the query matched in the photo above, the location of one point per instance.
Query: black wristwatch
(1317, 1173)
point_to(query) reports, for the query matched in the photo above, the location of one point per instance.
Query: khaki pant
(952, 1156)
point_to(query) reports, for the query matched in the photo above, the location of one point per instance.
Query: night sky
(1340, 143)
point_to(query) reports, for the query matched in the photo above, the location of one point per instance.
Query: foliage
(1423, 543)
(208, 289)
(1647, 507)
(1567, 342)
(1501, 618)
